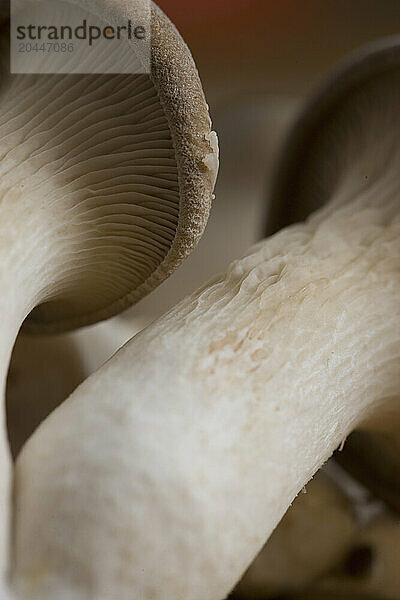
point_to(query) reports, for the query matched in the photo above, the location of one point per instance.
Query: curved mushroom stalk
(106, 182)
(166, 471)
(26, 269)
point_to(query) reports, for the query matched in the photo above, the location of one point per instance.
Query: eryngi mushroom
(106, 183)
(305, 181)
(165, 472)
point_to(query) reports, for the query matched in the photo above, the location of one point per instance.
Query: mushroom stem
(14, 306)
(23, 275)
(7, 339)
(166, 471)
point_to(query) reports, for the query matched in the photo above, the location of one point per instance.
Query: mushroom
(165, 472)
(313, 537)
(106, 183)
(304, 182)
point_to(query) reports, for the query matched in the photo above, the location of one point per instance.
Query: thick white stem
(14, 306)
(6, 343)
(167, 470)
(23, 275)
(29, 267)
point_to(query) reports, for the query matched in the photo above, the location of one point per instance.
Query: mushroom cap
(306, 170)
(147, 183)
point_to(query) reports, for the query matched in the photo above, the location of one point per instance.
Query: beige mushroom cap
(123, 169)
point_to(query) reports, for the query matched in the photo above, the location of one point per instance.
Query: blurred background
(258, 60)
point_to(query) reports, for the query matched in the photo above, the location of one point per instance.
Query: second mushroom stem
(167, 470)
